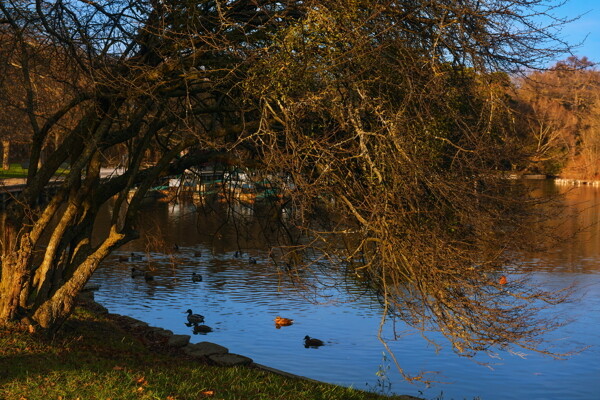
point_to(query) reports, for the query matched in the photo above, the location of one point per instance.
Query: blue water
(240, 300)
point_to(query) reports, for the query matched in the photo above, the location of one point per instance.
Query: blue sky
(588, 24)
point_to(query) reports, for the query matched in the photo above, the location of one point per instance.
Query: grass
(16, 171)
(95, 357)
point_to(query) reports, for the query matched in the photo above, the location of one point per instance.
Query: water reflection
(239, 300)
(579, 224)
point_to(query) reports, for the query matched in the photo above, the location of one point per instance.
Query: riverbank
(97, 355)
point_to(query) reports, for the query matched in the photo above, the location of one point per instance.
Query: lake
(240, 300)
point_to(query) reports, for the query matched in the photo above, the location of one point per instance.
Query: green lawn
(94, 357)
(16, 171)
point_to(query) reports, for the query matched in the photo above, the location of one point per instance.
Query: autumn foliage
(560, 110)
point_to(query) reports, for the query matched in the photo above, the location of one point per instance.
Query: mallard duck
(237, 254)
(175, 247)
(196, 277)
(194, 318)
(283, 321)
(202, 329)
(136, 257)
(312, 342)
(135, 273)
(251, 260)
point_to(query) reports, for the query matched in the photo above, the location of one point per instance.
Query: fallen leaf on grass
(207, 393)
(118, 368)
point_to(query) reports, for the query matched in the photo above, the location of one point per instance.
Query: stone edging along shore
(158, 337)
(165, 339)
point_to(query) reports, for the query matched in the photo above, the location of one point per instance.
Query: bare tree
(385, 122)
(33, 83)
(12, 118)
(561, 128)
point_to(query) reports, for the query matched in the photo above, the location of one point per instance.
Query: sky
(588, 25)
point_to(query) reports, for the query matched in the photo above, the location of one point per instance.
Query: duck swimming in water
(136, 257)
(283, 321)
(312, 342)
(202, 329)
(194, 318)
(135, 273)
(196, 277)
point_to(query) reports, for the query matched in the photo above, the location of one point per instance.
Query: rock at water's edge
(179, 340)
(161, 332)
(229, 360)
(204, 349)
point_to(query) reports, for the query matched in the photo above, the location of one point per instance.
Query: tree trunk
(13, 276)
(5, 155)
(14, 272)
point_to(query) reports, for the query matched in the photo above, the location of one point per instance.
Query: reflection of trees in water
(302, 270)
(574, 243)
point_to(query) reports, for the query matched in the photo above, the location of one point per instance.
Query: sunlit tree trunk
(6, 155)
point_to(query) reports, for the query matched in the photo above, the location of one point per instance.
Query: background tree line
(33, 82)
(561, 120)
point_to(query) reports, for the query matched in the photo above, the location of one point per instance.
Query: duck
(197, 253)
(251, 260)
(312, 342)
(136, 257)
(202, 329)
(237, 254)
(194, 318)
(148, 277)
(283, 321)
(175, 247)
(135, 273)
(196, 277)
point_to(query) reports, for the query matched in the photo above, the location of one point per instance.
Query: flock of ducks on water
(196, 320)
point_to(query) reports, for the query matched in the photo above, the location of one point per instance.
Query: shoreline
(99, 355)
(158, 338)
